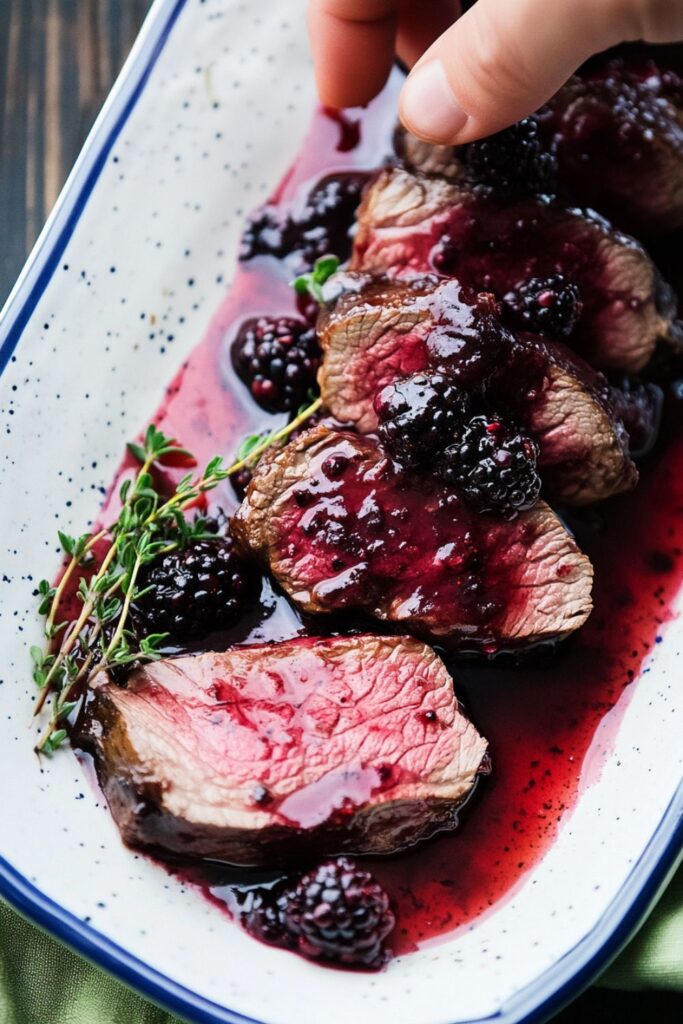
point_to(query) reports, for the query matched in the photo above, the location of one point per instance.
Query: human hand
(476, 73)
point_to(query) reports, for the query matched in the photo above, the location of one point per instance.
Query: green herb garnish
(312, 282)
(149, 524)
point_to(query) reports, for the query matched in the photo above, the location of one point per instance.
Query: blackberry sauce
(550, 717)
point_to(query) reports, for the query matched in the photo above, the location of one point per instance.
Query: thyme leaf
(312, 282)
(149, 523)
(53, 741)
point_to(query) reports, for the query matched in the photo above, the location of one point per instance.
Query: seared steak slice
(378, 331)
(428, 157)
(270, 754)
(343, 527)
(410, 225)
(617, 130)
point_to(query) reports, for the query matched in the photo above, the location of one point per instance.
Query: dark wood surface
(58, 59)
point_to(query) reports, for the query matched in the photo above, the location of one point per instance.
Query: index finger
(353, 45)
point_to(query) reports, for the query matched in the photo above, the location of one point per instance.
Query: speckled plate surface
(205, 118)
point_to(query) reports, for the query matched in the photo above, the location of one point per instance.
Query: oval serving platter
(205, 118)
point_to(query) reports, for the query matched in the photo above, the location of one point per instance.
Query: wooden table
(58, 59)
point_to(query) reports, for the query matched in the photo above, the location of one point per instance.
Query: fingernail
(428, 107)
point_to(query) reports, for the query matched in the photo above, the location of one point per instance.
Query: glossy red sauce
(366, 534)
(551, 725)
(550, 719)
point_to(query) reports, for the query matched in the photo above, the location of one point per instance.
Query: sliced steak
(410, 225)
(267, 755)
(343, 527)
(428, 157)
(378, 331)
(617, 131)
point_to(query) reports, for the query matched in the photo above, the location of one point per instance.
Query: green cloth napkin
(41, 982)
(654, 958)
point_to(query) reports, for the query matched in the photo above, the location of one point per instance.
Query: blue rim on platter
(559, 983)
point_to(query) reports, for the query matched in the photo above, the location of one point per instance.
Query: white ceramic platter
(205, 118)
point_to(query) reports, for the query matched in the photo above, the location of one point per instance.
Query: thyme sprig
(148, 525)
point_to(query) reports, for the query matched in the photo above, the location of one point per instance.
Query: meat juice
(550, 715)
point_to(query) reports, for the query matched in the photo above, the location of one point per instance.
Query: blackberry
(193, 591)
(336, 912)
(264, 235)
(513, 161)
(277, 358)
(546, 305)
(326, 220)
(420, 415)
(261, 913)
(321, 226)
(493, 467)
(339, 912)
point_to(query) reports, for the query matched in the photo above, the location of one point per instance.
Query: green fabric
(43, 983)
(654, 958)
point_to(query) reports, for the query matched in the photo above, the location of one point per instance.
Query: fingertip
(497, 63)
(352, 60)
(428, 106)
(419, 25)
(338, 91)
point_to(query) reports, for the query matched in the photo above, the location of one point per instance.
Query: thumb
(504, 58)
